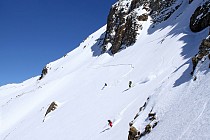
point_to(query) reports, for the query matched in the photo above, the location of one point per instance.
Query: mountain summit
(144, 75)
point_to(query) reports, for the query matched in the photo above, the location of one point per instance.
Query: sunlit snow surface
(158, 64)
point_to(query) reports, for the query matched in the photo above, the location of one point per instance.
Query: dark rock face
(200, 18)
(134, 134)
(162, 10)
(143, 17)
(114, 24)
(131, 28)
(124, 21)
(44, 72)
(123, 24)
(190, 1)
(204, 47)
(204, 50)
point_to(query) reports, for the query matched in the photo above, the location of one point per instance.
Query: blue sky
(36, 32)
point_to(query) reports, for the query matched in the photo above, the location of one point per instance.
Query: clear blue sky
(36, 32)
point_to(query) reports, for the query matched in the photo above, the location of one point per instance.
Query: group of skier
(110, 123)
(129, 85)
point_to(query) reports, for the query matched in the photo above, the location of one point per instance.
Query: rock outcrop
(200, 18)
(51, 108)
(134, 134)
(126, 18)
(204, 50)
(44, 72)
(162, 10)
(123, 24)
(146, 127)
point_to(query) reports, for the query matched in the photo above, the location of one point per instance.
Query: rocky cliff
(126, 17)
(200, 18)
(124, 21)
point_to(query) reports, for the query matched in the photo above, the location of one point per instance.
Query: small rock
(52, 107)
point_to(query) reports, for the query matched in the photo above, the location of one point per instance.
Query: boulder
(148, 128)
(134, 134)
(200, 18)
(204, 50)
(194, 62)
(44, 72)
(52, 107)
(152, 116)
(143, 17)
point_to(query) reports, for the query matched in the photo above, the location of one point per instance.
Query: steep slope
(159, 66)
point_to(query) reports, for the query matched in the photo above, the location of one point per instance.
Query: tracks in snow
(114, 65)
(195, 120)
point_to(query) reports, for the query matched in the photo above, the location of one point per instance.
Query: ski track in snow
(194, 121)
(115, 65)
(126, 108)
(119, 117)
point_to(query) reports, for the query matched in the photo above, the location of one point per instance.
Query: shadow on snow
(178, 25)
(191, 40)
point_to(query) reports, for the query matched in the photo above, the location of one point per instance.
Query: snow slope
(158, 64)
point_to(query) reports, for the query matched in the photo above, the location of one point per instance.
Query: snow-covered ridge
(90, 88)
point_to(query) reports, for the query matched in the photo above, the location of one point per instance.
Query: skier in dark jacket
(105, 85)
(130, 84)
(110, 123)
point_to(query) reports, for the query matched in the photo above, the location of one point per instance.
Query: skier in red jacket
(110, 123)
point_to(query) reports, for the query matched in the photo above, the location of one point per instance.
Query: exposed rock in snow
(44, 72)
(201, 17)
(161, 10)
(204, 51)
(126, 17)
(52, 107)
(123, 23)
(134, 134)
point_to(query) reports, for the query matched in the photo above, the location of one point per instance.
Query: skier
(105, 85)
(130, 84)
(110, 123)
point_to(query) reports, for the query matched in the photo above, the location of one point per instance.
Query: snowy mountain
(147, 71)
